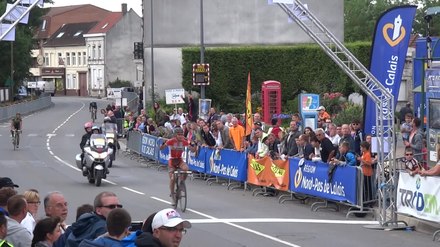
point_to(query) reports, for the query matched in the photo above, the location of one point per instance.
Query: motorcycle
(96, 159)
(110, 131)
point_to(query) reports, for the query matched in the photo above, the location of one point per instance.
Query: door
(83, 84)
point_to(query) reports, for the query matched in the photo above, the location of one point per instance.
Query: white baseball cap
(168, 218)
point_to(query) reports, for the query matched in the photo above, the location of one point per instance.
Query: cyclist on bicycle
(16, 124)
(177, 146)
(93, 106)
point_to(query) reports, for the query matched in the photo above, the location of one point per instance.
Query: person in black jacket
(208, 138)
(85, 138)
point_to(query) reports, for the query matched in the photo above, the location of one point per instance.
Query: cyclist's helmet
(88, 125)
(178, 131)
(107, 120)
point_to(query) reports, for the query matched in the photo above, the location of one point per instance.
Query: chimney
(124, 8)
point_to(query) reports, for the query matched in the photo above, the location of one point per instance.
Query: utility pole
(12, 70)
(202, 47)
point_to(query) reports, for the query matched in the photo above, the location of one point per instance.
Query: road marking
(235, 225)
(283, 220)
(32, 135)
(134, 191)
(51, 135)
(70, 135)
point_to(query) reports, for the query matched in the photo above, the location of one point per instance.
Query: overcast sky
(112, 5)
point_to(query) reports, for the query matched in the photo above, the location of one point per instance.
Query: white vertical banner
(419, 196)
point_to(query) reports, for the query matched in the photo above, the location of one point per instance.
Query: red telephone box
(270, 99)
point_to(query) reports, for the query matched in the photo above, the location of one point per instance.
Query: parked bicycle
(180, 194)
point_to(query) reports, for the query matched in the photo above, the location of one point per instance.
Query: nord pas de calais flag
(248, 116)
(388, 54)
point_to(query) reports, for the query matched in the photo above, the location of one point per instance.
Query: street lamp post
(202, 47)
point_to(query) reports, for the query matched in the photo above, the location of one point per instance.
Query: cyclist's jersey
(93, 105)
(16, 123)
(176, 147)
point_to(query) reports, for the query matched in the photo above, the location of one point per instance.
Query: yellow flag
(248, 116)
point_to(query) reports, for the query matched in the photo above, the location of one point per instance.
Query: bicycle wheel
(182, 196)
(175, 196)
(14, 141)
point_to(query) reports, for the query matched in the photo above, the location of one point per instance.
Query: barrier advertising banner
(148, 146)
(311, 178)
(388, 54)
(197, 163)
(268, 172)
(227, 164)
(164, 154)
(419, 196)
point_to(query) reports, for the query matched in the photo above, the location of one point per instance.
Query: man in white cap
(169, 227)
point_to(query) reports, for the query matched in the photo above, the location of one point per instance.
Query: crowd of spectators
(105, 223)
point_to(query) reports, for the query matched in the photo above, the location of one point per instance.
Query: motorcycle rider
(85, 141)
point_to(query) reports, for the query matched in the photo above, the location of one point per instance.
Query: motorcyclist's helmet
(88, 125)
(107, 120)
(96, 130)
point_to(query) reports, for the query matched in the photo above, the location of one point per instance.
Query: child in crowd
(366, 164)
(406, 127)
(412, 166)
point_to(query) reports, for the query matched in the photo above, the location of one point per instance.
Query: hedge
(301, 68)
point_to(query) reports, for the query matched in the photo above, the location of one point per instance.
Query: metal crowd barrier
(146, 146)
(134, 141)
(24, 108)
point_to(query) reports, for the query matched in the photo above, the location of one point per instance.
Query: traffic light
(138, 50)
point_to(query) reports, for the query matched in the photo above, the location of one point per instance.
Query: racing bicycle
(93, 113)
(15, 138)
(180, 195)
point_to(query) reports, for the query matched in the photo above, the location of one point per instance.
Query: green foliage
(22, 47)
(119, 83)
(360, 17)
(349, 113)
(301, 68)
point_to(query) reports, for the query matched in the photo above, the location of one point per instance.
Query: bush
(349, 113)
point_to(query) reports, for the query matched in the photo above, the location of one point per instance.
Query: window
(69, 81)
(43, 25)
(77, 33)
(74, 83)
(99, 51)
(93, 52)
(79, 58)
(60, 35)
(60, 58)
(68, 58)
(73, 58)
(46, 59)
(84, 58)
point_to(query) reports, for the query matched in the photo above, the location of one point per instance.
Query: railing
(26, 107)
(296, 178)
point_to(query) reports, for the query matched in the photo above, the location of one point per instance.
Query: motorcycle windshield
(98, 141)
(109, 128)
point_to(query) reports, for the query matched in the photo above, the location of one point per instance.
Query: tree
(22, 46)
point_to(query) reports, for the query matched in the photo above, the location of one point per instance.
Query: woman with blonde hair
(33, 199)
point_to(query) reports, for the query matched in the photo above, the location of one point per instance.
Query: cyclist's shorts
(173, 164)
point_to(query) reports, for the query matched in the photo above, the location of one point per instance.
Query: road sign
(114, 93)
(201, 74)
(174, 96)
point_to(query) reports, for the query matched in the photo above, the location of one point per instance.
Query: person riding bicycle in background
(93, 106)
(16, 124)
(177, 146)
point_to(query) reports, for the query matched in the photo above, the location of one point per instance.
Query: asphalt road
(220, 217)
